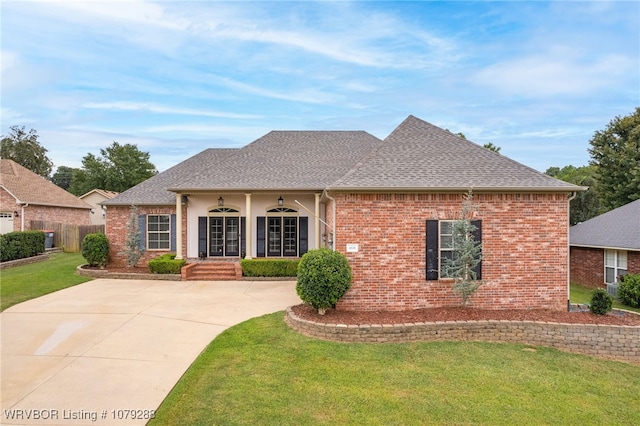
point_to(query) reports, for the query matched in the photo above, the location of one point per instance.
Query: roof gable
(29, 187)
(420, 156)
(618, 228)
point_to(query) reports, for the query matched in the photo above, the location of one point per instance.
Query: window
(282, 233)
(439, 242)
(159, 232)
(615, 265)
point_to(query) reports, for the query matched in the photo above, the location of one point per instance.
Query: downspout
(22, 215)
(571, 197)
(335, 219)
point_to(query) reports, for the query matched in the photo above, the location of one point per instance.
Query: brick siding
(587, 266)
(525, 249)
(605, 341)
(117, 219)
(65, 215)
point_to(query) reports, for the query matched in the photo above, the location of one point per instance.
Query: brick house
(386, 204)
(606, 247)
(27, 196)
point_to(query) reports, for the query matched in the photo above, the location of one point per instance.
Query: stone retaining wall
(606, 341)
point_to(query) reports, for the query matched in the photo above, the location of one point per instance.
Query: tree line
(612, 175)
(117, 168)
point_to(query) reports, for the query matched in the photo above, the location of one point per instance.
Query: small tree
(324, 276)
(466, 253)
(133, 249)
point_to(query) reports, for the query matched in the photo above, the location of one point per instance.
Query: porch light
(280, 202)
(220, 202)
(16, 214)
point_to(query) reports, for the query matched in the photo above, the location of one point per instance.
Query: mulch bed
(337, 316)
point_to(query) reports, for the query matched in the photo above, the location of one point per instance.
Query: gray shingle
(619, 228)
(153, 191)
(418, 155)
(293, 160)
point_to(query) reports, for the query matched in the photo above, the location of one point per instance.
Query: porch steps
(212, 271)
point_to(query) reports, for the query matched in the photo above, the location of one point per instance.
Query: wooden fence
(67, 236)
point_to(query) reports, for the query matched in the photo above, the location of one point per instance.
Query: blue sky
(533, 77)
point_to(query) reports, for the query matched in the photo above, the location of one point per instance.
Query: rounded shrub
(629, 290)
(95, 249)
(601, 302)
(324, 276)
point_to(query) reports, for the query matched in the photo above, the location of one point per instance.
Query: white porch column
(317, 221)
(247, 231)
(178, 226)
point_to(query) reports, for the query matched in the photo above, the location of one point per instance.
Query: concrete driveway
(109, 351)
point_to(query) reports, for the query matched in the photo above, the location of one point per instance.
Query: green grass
(581, 294)
(25, 282)
(262, 372)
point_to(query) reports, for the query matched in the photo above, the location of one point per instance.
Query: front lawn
(262, 372)
(581, 294)
(21, 283)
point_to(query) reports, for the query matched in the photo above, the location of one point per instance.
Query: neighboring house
(606, 247)
(94, 198)
(27, 196)
(386, 204)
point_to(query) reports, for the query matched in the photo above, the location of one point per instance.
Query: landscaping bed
(140, 273)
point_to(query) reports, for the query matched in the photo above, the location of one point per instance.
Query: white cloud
(161, 109)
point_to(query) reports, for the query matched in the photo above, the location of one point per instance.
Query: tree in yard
(586, 204)
(615, 153)
(132, 248)
(466, 254)
(23, 148)
(63, 177)
(119, 168)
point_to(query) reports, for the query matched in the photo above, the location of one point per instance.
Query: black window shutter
(142, 231)
(172, 237)
(260, 236)
(202, 236)
(243, 239)
(432, 250)
(477, 236)
(304, 235)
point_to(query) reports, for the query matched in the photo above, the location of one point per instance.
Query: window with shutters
(158, 232)
(439, 245)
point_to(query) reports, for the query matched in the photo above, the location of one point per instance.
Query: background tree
(615, 154)
(63, 177)
(490, 146)
(586, 204)
(119, 168)
(23, 148)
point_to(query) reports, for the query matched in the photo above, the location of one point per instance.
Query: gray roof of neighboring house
(418, 155)
(153, 191)
(616, 229)
(292, 160)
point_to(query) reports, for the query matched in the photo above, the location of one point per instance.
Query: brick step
(213, 271)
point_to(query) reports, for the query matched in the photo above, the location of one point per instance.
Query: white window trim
(617, 256)
(168, 232)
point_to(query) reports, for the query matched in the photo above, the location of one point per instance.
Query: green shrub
(269, 267)
(21, 244)
(601, 302)
(629, 290)
(95, 249)
(166, 264)
(324, 276)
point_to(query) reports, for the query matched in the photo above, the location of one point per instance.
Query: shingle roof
(418, 155)
(618, 229)
(293, 160)
(153, 191)
(105, 193)
(29, 187)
